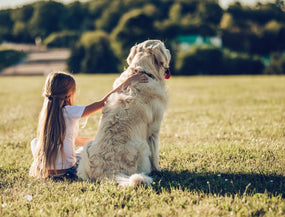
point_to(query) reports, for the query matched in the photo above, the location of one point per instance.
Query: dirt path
(39, 61)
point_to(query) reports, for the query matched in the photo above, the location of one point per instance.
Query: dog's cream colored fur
(125, 148)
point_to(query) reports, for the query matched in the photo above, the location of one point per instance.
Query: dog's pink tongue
(167, 75)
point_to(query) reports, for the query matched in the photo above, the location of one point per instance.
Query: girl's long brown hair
(51, 127)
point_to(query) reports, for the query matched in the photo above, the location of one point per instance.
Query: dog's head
(151, 57)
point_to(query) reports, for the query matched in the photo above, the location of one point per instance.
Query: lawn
(222, 151)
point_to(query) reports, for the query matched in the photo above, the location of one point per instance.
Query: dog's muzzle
(167, 74)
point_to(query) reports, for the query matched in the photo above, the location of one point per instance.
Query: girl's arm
(80, 141)
(92, 108)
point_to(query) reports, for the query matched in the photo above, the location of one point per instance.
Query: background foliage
(9, 57)
(93, 54)
(251, 33)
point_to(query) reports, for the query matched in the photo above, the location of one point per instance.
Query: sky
(16, 3)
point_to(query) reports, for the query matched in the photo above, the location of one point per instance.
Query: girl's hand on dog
(139, 77)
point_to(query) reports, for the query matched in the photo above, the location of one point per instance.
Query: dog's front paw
(157, 172)
(156, 169)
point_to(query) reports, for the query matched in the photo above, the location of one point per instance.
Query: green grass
(222, 151)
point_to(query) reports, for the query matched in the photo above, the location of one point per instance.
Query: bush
(93, 54)
(9, 57)
(214, 61)
(242, 65)
(277, 64)
(199, 61)
(75, 59)
(61, 39)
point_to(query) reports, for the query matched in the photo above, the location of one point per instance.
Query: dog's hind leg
(84, 164)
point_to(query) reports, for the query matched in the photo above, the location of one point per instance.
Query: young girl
(54, 148)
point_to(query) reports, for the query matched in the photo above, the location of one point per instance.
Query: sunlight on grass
(221, 150)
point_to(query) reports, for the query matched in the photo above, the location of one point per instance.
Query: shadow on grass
(219, 183)
(208, 183)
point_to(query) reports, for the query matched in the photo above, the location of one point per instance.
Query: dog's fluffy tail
(133, 180)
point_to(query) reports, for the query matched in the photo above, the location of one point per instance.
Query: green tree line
(100, 33)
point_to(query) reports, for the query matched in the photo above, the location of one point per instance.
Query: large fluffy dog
(125, 148)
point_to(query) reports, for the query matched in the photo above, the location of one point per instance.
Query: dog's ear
(162, 55)
(132, 54)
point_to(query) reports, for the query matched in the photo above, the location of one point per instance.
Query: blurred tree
(172, 25)
(239, 15)
(261, 14)
(21, 17)
(20, 33)
(241, 64)
(47, 18)
(64, 39)
(273, 37)
(273, 26)
(93, 54)
(6, 24)
(269, 38)
(175, 12)
(96, 8)
(227, 22)
(210, 13)
(200, 61)
(255, 30)
(75, 15)
(23, 14)
(115, 10)
(188, 6)
(213, 61)
(191, 17)
(135, 26)
(110, 17)
(76, 56)
(277, 64)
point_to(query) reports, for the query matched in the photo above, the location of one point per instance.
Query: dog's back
(120, 146)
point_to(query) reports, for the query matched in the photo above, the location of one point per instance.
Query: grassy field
(222, 151)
